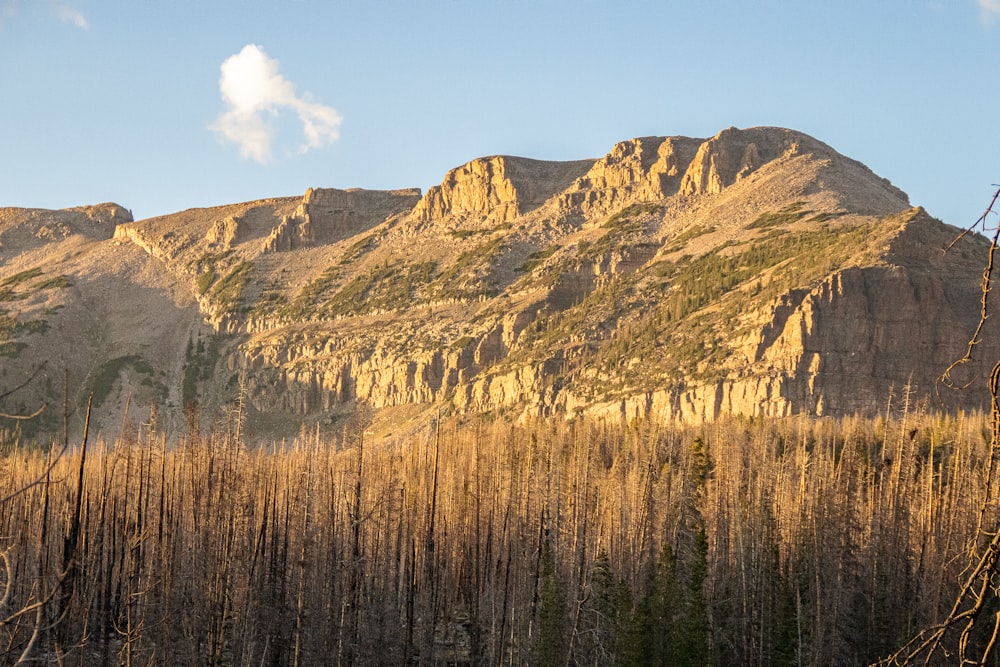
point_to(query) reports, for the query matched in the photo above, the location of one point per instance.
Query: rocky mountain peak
(498, 189)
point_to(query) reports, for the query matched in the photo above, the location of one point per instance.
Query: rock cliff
(756, 272)
(327, 215)
(499, 188)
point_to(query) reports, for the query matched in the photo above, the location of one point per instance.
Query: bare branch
(35, 605)
(24, 384)
(8, 581)
(38, 480)
(34, 414)
(981, 220)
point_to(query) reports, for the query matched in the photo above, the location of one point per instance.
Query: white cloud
(7, 9)
(61, 10)
(989, 10)
(255, 92)
(68, 14)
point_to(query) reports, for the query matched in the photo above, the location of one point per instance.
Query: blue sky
(127, 101)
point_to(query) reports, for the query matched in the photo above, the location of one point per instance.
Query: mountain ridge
(754, 272)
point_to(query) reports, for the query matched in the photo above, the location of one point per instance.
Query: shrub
(786, 216)
(102, 381)
(228, 291)
(205, 282)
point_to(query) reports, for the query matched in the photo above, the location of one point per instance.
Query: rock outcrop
(646, 169)
(107, 215)
(499, 188)
(327, 215)
(24, 229)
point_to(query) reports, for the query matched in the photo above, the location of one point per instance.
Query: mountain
(756, 272)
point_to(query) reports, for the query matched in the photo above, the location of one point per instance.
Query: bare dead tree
(59, 592)
(968, 635)
(44, 475)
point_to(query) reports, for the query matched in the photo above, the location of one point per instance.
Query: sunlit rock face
(499, 189)
(757, 272)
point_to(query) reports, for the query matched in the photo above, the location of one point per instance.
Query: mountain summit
(756, 272)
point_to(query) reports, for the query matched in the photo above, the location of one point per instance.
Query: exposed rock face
(757, 272)
(646, 169)
(732, 155)
(500, 188)
(861, 338)
(328, 215)
(223, 233)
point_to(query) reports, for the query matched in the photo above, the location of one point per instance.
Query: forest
(480, 541)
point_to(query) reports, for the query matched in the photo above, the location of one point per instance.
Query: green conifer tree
(550, 642)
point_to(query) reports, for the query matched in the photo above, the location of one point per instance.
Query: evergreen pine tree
(551, 638)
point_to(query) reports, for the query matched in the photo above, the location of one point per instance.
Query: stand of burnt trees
(969, 633)
(752, 542)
